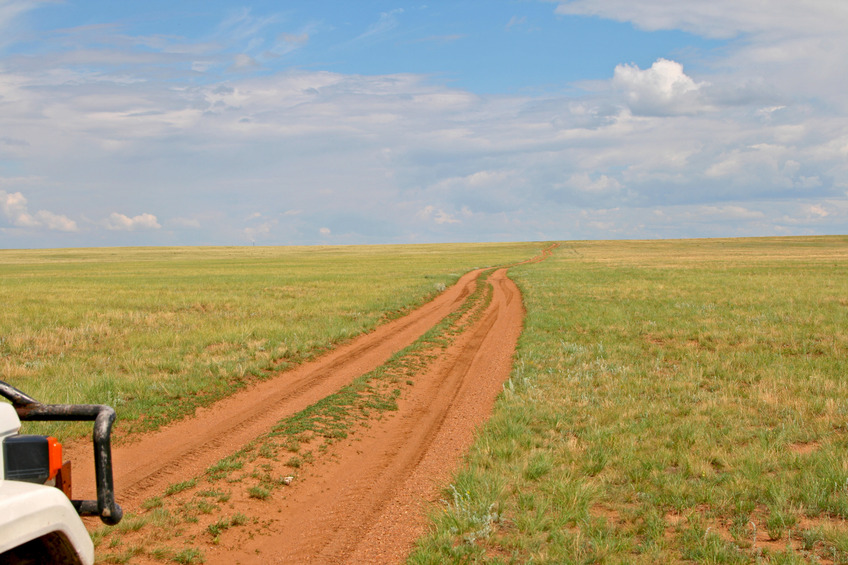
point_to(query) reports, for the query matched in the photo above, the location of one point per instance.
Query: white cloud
(730, 212)
(516, 21)
(121, 222)
(444, 218)
(272, 137)
(598, 184)
(289, 42)
(324, 231)
(479, 181)
(55, 222)
(387, 22)
(718, 18)
(244, 62)
(663, 89)
(817, 210)
(242, 25)
(259, 232)
(833, 213)
(14, 206)
(438, 216)
(787, 46)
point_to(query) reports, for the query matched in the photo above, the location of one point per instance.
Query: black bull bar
(29, 409)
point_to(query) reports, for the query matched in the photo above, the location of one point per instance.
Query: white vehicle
(39, 521)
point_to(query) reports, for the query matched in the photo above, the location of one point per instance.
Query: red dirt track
(366, 500)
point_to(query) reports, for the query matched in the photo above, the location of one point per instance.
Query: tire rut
(146, 465)
(366, 501)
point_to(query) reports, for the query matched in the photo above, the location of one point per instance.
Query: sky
(370, 122)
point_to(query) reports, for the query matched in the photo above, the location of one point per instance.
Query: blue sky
(323, 122)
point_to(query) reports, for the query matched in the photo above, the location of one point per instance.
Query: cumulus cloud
(14, 206)
(258, 232)
(817, 210)
(439, 216)
(478, 180)
(121, 222)
(451, 149)
(786, 44)
(597, 184)
(664, 89)
(831, 214)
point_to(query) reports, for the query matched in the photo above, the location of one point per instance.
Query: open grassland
(156, 332)
(673, 401)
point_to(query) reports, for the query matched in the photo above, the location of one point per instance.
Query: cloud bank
(201, 135)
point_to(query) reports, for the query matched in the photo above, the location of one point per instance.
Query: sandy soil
(367, 501)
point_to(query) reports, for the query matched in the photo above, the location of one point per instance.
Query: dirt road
(364, 501)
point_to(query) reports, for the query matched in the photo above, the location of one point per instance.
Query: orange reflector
(54, 450)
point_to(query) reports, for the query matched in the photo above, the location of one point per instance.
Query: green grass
(179, 487)
(157, 332)
(226, 523)
(189, 555)
(669, 400)
(259, 492)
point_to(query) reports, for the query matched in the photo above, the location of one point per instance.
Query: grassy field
(671, 401)
(156, 332)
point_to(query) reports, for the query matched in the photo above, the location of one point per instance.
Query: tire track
(146, 466)
(367, 504)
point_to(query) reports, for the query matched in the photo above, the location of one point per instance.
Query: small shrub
(259, 492)
(179, 487)
(188, 556)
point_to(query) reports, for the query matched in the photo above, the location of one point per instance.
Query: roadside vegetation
(157, 332)
(671, 401)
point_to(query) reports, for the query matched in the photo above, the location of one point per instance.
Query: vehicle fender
(29, 511)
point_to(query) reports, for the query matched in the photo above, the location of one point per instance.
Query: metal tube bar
(29, 409)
